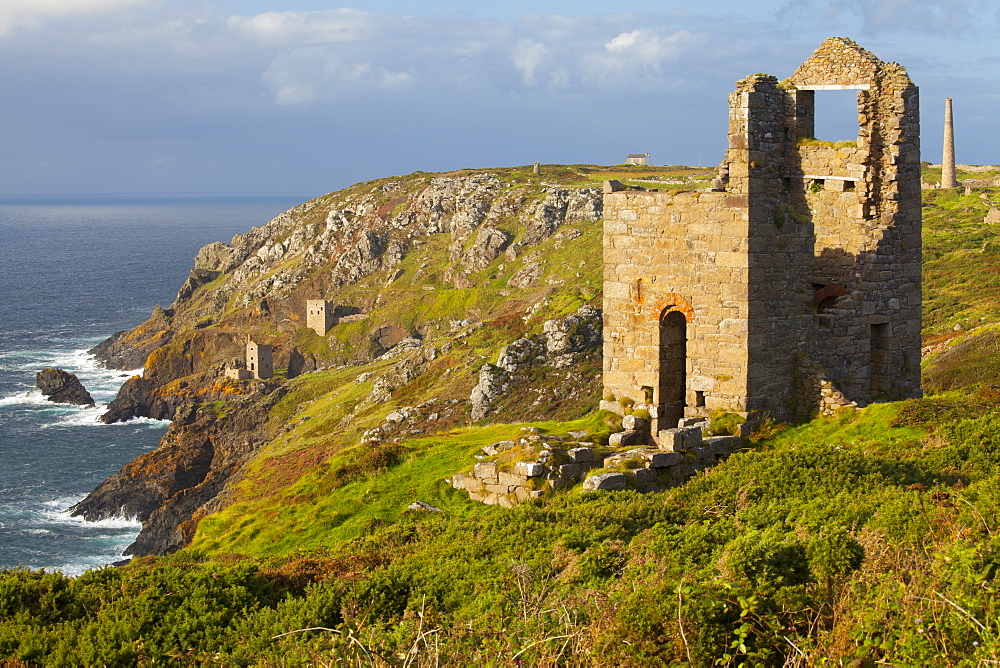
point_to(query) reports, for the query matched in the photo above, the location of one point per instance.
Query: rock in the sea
(62, 387)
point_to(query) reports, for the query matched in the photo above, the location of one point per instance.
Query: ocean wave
(91, 417)
(28, 397)
(80, 567)
(75, 360)
(56, 511)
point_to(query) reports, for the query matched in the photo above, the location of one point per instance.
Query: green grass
(961, 281)
(315, 512)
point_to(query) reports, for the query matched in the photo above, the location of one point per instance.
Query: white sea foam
(28, 397)
(112, 554)
(91, 417)
(56, 511)
(108, 538)
(103, 384)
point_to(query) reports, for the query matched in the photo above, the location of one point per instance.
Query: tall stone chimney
(948, 155)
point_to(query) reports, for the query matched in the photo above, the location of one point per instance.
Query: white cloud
(313, 74)
(528, 56)
(326, 27)
(625, 40)
(128, 73)
(642, 53)
(32, 13)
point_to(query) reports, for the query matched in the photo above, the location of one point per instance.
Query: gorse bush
(818, 543)
(865, 539)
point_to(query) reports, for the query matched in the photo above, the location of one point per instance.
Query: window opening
(836, 115)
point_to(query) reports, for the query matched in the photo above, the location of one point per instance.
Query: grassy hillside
(961, 260)
(865, 539)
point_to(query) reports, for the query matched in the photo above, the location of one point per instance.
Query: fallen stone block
(705, 455)
(581, 454)
(510, 479)
(420, 505)
(397, 416)
(466, 482)
(679, 439)
(634, 423)
(602, 482)
(661, 460)
(701, 423)
(485, 471)
(570, 471)
(529, 469)
(611, 406)
(497, 448)
(724, 445)
(624, 439)
(645, 476)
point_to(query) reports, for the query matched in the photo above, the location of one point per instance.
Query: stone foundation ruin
(791, 288)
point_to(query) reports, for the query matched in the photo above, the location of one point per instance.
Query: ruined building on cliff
(794, 285)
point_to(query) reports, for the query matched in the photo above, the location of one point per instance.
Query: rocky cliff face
(260, 281)
(411, 263)
(165, 488)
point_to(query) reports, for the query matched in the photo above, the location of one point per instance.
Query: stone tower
(319, 315)
(948, 152)
(794, 287)
(259, 359)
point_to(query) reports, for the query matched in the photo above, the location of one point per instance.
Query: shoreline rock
(63, 387)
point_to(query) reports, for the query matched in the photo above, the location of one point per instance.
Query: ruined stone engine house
(793, 287)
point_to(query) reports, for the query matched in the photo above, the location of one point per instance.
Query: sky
(130, 96)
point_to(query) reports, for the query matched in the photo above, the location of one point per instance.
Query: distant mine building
(259, 359)
(793, 287)
(237, 373)
(320, 315)
(637, 159)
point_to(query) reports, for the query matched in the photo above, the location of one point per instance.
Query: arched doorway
(673, 368)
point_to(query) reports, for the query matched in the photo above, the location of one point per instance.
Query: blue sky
(303, 96)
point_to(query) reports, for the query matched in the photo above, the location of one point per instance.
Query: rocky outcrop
(490, 243)
(62, 387)
(135, 399)
(566, 338)
(128, 350)
(357, 248)
(167, 489)
(493, 382)
(213, 257)
(196, 279)
(563, 206)
(564, 341)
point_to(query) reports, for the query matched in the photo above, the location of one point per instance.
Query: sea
(74, 269)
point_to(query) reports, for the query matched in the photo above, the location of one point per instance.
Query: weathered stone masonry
(794, 286)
